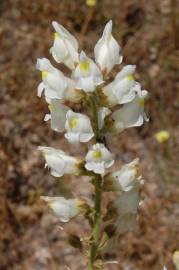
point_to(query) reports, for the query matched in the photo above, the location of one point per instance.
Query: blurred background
(30, 236)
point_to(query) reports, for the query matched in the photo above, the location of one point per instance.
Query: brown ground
(30, 235)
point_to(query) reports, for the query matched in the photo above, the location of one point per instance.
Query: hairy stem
(98, 190)
(97, 221)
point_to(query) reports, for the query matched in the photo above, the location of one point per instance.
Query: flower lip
(98, 159)
(87, 74)
(78, 127)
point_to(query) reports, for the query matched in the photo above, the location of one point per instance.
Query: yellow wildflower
(91, 3)
(176, 259)
(162, 136)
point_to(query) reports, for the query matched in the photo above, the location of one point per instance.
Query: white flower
(64, 209)
(127, 207)
(53, 82)
(87, 75)
(59, 162)
(122, 89)
(65, 47)
(102, 113)
(78, 127)
(128, 202)
(98, 159)
(107, 50)
(57, 115)
(131, 114)
(125, 223)
(125, 179)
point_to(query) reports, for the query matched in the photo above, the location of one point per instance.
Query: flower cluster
(108, 107)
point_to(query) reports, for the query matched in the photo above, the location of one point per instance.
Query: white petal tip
(109, 23)
(108, 26)
(54, 24)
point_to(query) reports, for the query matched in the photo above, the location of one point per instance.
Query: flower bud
(107, 50)
(74, 241)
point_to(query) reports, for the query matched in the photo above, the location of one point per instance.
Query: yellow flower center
(73, 123)
(142, 102)
(162, 136)
(56, 35)
(84, 66)
(97, 154)
(44, 74)
(130, 77)
(91, 3)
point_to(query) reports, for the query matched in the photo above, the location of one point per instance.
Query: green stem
(97, 220)
(94, 115)
(98, 190)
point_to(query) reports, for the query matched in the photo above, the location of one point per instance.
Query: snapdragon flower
(78, 127)
(127, 208)
(122, 89)
(87, 75)
(64, 209)
(125, 179)
(57, 115)
(107, 50)
(98, 159)
(53, 82)
(65, 47)
(59, 162)
(132, 114)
